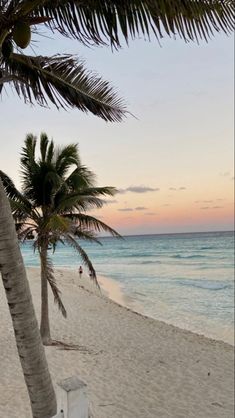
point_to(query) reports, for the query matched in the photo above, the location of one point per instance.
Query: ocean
(186, 280)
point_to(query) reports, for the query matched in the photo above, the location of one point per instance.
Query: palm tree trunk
(45, 323)
(28, 341)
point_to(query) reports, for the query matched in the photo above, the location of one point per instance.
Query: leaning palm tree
(64, 82)
(31, 352)
(57, 192)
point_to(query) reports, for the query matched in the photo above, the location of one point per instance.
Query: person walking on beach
(80, 271)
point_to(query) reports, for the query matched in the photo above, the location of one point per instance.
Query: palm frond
(66, 157)
(105, 21)
(27, 160)
(83, 198)
(63, 81)
(21, 210)
(76, 201)
(48, 268)
(25, 233)
(99, 191)
(10, 189)
(43, 145)
(92, 223)
(58, 224)
(28, 151)
(86, 235)
(80, 178)
(21, 206)
(74, 244)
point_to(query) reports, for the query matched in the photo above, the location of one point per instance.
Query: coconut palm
(57, 192)
(63, 81)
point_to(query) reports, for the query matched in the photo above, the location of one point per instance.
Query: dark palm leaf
(25, 233)
(80, 178)
(83, 234)
(63, 81)
(44, 141)
(83, 197)
(52, 281)
(74, 244)
(99, 191)
(95, 224)
(65, 158)
(77, 201)
(105, 21)
(10, 188)
(39, 177)
(21, 211)
(58, 224)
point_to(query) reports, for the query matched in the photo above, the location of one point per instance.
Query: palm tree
(64, 82)
(30, 348)
(53, 206)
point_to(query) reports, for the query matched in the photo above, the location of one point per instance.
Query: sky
(172, 162)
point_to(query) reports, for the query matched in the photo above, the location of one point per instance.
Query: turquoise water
(184, 279)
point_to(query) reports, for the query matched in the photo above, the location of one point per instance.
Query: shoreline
(113, 291)
(134, 366)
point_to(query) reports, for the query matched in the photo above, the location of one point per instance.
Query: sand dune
(135, 367)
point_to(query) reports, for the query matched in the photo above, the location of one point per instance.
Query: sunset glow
(173, 162)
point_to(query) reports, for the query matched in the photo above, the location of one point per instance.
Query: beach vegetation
(57, 194)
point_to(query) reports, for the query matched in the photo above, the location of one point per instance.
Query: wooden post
(72, 399)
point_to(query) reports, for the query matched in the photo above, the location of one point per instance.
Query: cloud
(150, 213)
(132, 209)
(166, 204)
(140, 208)
(211, 207)
(138, 189)
(203, 201)
(142, 189)
(177, 188)
(125, 210)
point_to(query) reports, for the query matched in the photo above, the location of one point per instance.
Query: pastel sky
(173, 161)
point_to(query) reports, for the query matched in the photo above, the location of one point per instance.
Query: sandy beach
(135, 367)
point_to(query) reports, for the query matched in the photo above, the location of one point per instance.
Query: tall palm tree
(30, 348)
(57, 192)
(64, 82)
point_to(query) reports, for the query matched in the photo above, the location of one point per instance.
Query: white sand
(135, 367)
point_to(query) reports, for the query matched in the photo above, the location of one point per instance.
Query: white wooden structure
(72, 399)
